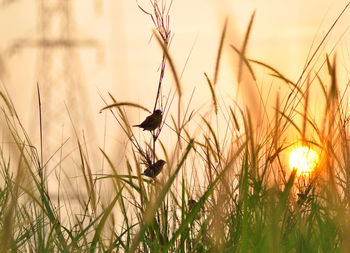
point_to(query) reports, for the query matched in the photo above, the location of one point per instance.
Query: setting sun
(303, 160)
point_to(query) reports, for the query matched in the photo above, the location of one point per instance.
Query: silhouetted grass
(225, 186)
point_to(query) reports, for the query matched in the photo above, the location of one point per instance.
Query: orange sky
(127, 62)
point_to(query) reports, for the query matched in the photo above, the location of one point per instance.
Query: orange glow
(303, 160)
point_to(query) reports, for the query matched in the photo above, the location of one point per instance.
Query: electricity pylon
(63, 95)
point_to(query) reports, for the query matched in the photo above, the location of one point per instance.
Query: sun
(303, 160)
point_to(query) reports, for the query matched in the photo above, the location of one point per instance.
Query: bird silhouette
(151, 122)
(154, 170)
(191, 203)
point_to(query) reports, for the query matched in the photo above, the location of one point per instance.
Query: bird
(151, 122)
(153, 170)
(191, 203)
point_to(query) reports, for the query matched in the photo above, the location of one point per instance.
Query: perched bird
(191, 203)
(151, 122)
(153, 170)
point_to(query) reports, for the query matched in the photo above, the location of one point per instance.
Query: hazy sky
(128, 60)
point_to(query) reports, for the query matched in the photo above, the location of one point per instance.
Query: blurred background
(78, 51)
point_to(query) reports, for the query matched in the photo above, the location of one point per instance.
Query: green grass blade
(150, 212)
(102, 223)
